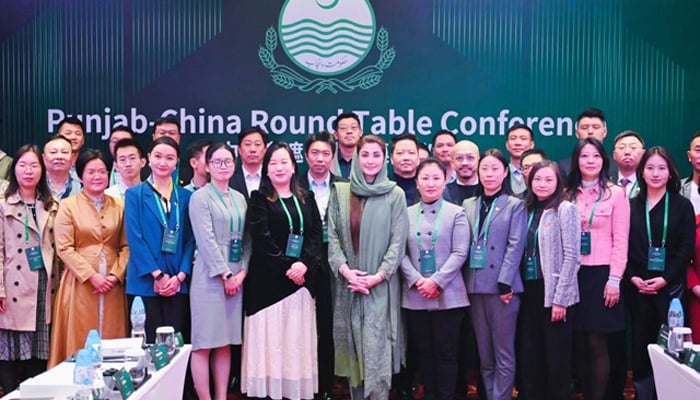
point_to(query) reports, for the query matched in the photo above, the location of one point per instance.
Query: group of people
(287, 279)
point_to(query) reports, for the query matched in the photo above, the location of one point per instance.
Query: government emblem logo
(326, 40)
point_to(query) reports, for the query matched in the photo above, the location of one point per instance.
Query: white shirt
(321, 191)
(252, 180)
(695, 197)
(117, 191)
(630, 185)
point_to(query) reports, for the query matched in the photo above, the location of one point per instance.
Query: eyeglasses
(131, 160)
(222, 163)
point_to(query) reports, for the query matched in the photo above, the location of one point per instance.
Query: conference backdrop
(471, 66)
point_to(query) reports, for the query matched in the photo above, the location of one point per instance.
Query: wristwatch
(228, 276)
(159, 276)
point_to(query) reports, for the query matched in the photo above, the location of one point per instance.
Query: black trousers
(14, 372)
(647, 313)
(545, 347)
(436, 337)
(324, 329)
(165, 311)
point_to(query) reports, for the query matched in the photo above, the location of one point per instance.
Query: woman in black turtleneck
(548, 269)
(497, 221)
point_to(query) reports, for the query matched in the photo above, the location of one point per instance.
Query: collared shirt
(321, 191)
(71, 187)
(252, 180)
(117, 191)
(629, 184)
(694, 197)
(192, 187)
(517, 180)
(344, 166)
(115, 177)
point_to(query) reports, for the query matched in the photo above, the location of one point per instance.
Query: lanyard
(529, 224)
(663, 237)
(289, 217)
(433, 238)
(486, 223)
(26, 226)
(595, 205)
(238, 212)
(159, 204)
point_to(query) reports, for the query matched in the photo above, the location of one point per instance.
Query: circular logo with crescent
(327, 37)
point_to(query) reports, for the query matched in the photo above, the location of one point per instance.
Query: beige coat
(18, 284)
(82, 232)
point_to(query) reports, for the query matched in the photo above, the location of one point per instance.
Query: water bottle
(93, 344)
(138, 319)
(83, 375)
(675, 314)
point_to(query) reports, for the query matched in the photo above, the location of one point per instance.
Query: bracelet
(228, 276)
(159, 276)
(181, 280)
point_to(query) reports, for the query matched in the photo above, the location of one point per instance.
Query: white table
(673, 380)
(168, 383)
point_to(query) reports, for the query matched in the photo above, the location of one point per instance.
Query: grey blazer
(559, 243)
(506, 243)
(451, 249)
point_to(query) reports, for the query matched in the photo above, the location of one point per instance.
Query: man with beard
(251, 149)
(58, 155)
(518, 139)
(464, 162)
(404, 159)
(628, 150)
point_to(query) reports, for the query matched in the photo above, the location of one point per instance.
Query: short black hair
(56, 137)
(404, 136)
(122, 128)
(423, 146)
(443, 132)
(591, 112)
(346, 115)
(129, 143)
(628, 133)
(170, 119)
(431, 161)
(251, 130)
(195, 149)
(533, 151)
(520, 126)
(217, 146)
(89, 155)
(72, 121)
(323, 136)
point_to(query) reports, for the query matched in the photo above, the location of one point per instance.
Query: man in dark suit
(252, 143)
(465, 160)
(404, 159)
(591, 122)
(319, 149)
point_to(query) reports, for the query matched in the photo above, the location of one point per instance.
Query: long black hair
(558, 195)
(266, 187)
(674, 177)
(42, 188)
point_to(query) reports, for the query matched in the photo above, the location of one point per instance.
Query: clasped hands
(103, 284)
(296, 273)
(359, 281)
(649, 286)
(167, 286)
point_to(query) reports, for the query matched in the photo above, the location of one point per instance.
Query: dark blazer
(237, 182)
(506, 243)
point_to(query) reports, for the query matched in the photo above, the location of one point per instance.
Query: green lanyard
(433, 238)
(529, 224)
(663, 237)
(289, 216)
(26, 226)
(487, 223)
(162, 212)
(238, 212)
(595, 206)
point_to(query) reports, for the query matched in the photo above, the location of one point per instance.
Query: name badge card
(123, 382)
(34, 258)
(159, 355)
(585, 243)
(325, 232)
(294, 244)
(531, 268)
(427, 262)
(234, 250)
(169, 244)
(477, 258)
(657, 259)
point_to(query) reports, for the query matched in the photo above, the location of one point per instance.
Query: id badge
(657, 259)
(477, 257)
(234, 250)
(325, 232)
(427, 262)
(169, 244)
(294, 243)
(585, 243)
(531, 268)
(34, 258)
